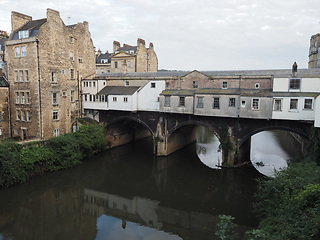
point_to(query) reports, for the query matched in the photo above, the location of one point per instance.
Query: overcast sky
(193, 34)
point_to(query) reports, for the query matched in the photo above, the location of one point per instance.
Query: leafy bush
(18, 163)
(289, 204)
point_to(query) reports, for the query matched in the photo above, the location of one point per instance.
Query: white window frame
(27, 97)
(55, 115)
(304, 104)
(290, 104)
(167, 101)
(255, 104)
(18, 115)
(232, 102)
(72, 98)
(56, 132)
(22, 97)
(17, 98)
(26, 73)
(216, 103)
(200, 102)
(182, 101)
(275, 106)
(224, 85)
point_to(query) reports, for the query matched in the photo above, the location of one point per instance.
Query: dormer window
(131, 52)
(23, 34)
(294, 83)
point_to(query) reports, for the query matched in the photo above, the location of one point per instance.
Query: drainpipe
(40, 108)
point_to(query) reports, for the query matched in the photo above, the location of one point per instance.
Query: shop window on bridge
(200, 102)
(255, 104)
(294, 83)
(232, 102)
(167, 101)
(308, 104)
(182, 102)
(294, 104)
(216, 103)
(277, 105)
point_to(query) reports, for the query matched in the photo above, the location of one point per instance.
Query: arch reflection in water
(271, 150)
(207, 148)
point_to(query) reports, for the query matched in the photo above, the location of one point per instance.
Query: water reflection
(207, 148)
(270, 150)
(127, 193)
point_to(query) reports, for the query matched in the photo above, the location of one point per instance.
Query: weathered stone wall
(58, 74)
(18, 20)
(4, 112)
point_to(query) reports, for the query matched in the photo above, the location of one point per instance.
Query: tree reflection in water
(207, 147)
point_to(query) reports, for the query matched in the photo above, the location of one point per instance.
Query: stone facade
(314, 56)
(46, 61)
(128, 58)
(4, 108)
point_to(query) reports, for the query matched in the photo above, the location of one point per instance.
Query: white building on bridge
(260, 94)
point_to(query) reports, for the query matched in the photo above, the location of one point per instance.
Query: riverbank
(20, 162)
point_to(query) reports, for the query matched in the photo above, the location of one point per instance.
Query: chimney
(52, 15)
(99, 52)
(18, 20)
(140, 42)
(294, 69)
(116, 46)
(151, 45)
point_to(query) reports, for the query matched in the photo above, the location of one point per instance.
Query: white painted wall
(299, 114)
(121, 105)
(280, 84)
(148, 97)
(317, 112)
(310, 85)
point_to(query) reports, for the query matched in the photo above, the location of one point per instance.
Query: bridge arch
(125, 129)
(306, 143)
(196, 124)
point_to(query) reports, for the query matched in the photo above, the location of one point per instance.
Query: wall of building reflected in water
(270, 150)
(128, 193)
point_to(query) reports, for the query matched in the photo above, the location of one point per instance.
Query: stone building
(46, 61)
(3, 38)
(314, 56)
(4, 107)
(103, 62)
(128, 58)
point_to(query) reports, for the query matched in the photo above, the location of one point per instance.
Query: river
(127, 193)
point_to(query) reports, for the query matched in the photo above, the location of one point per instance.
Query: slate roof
(33, 26)
(3, 82)
(278, 73)
(103, 56)
(127, 49)
(236, 91)
(118, 90)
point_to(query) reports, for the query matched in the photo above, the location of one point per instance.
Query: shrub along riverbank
(288, 204)
(20, 162)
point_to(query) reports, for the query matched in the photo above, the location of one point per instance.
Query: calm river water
(127, 193)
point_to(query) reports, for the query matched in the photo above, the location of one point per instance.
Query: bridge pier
(166, 144)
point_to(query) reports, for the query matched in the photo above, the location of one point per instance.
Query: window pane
(216, 103)
(295, 83)
(167, 101)
(181, 101)
(294, 104)
(255, 103)
(277, 105)
(232, 102)
(200, 102)
(308, 104)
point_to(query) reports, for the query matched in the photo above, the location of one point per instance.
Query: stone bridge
(171, 132)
